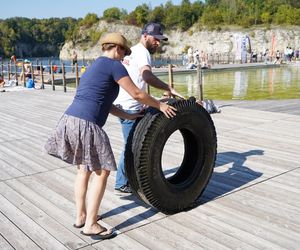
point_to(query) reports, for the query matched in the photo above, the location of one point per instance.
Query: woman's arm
(141, 96)
(122, 114)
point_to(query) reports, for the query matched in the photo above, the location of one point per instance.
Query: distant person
(26, 70)
(277, 61)
(138, 65)
(190, 55)
(13, 59)
(74, 60)
(54, 68)
(82, 69)
(266, 55)
(79, 137)
(196, 57)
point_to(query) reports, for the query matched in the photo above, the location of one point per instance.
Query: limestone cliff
(209, 41)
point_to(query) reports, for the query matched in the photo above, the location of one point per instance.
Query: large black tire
(144, 152)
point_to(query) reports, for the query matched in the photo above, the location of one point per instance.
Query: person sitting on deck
(2, 82)
(26, 70)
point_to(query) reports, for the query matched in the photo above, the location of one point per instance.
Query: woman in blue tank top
(79, 138)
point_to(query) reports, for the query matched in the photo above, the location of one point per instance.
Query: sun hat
(118, 39)
(155, 30)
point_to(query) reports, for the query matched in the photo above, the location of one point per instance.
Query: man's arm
(155, 82)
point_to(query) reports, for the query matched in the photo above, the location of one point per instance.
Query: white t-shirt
(138, 58)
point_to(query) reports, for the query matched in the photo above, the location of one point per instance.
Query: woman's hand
(169, 111)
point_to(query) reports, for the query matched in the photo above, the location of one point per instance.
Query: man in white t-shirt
(138, 65)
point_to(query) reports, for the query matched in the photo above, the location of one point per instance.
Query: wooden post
(199, 81)
(32, 71)
(171, 83)
(64, 77)
(42, 75)
(8, 70)
(52, 76)
(2, 68)
(23, 75)
(77, 75)
(16, 74)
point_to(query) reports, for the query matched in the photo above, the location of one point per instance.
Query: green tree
(171, 19)
(141, 13)
(287, 15)
(186, 15)
(113, 14)
(211, 17)
(157, 14)
(89, 20)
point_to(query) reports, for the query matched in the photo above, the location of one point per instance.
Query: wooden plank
(11, 237)
(53, 227)
(122, 241)
(237, 228)
(8, 171)
(210, 236)
(20, 162)
(28, 227)
(154, 236)
(266, 231)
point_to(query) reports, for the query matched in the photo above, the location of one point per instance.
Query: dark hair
(108, 46)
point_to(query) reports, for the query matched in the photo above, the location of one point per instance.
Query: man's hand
(169, 111)
(175, 93)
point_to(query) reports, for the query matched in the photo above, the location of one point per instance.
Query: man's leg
(121, 179)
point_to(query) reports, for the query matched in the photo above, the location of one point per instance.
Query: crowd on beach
(195, 57)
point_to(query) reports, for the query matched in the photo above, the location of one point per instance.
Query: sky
(69, 8)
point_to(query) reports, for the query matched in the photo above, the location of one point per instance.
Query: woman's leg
(95, 196)
(80, 188)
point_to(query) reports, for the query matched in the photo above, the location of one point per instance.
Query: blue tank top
(97, 90)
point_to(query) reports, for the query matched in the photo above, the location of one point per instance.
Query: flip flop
(100, 236)
(99, 217)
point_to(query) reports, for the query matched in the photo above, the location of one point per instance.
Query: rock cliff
(276, 38)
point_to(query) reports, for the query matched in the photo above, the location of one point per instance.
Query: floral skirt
(81, 142)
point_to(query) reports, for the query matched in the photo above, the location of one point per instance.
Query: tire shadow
(235, 176)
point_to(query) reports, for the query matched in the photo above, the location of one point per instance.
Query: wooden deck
(252, 200)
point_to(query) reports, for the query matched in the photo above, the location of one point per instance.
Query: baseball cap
(155, 30)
